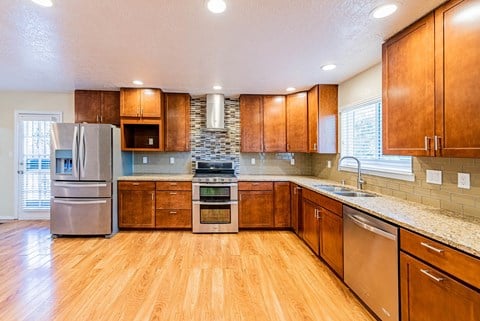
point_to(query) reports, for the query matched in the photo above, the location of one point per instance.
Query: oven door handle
(215, 203)
(215, 184)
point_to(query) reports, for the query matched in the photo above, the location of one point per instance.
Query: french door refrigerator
(85, 162)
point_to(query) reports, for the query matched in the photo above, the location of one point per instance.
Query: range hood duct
(215, 112)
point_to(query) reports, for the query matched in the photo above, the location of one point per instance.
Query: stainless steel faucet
(360, 180)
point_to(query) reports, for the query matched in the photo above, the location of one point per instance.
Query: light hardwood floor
(158, 275)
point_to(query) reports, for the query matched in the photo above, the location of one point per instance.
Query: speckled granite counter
(461, 232)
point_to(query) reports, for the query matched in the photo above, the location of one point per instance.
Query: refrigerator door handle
(76, 185)
(74, 152)
(79, 202)
(82, 151)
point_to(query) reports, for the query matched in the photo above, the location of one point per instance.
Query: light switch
(172, 160)
(252, 161)
(464, 180)
(434, 177)
(292, 161)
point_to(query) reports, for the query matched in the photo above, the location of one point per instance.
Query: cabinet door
(427, 294)
(282, 204)
(110, 113)
(177, 122)
(457, 79)
(274, 124)
(311, 225)
(312, 103)
(296, 209)
(255, 209)
(150, 105)
(297, 123)
(87, 106)
(136, 208)
(331, 240)
(327, 119)
(130, 102)
(408, 90)
(251, 127)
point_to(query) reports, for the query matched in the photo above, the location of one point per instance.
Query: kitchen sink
(343, 191)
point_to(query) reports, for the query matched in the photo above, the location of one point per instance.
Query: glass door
(33, 164)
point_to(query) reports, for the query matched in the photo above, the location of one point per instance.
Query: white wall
(362, 87)
(22, 101)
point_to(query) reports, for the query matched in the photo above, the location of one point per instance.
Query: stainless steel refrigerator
(85, 163)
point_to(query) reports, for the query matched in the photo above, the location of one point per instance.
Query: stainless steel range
(215, 198)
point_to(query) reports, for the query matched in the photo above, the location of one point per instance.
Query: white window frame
(351, 166)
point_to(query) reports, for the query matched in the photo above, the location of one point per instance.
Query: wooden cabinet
(274, 124)
(323, 228)
(95, 106)
(429, 94)
(251, 123)
(281, 191)
(136, 204)
(436, 281)
(173, 205)
(457, 59)
(408, 90)
(296, 208)
(323, 119)
(255, 205)
(177, 122)
(297, 123)
(140, 102)
(141, 134)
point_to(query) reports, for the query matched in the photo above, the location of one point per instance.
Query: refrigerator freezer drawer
(85, 216)
(81, 189)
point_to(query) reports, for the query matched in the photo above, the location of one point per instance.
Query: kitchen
(278, 165)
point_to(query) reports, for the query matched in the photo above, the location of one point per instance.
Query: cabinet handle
(431, 276)
(173, 212)
(426, 143)
(255, 184)
(173, 193)
(101, 118)
(436, 142)
(153, 195)
(141, 111)
(135, 184)
(288, 146)
(173, 184)
(315, 146)
(97, 118)
(428, 246)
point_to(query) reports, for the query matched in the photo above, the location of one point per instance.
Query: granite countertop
(458, 231)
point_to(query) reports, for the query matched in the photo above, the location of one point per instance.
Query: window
(361, 136)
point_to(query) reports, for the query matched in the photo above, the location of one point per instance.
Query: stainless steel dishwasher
(371, 262)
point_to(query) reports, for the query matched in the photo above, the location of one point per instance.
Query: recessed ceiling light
(290, 89)
(44, 3)
(137, 82)
(329, 67)
(216, 6)
(217, 87)
(384, 11)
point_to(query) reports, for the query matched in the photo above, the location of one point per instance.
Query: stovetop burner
(214, 172)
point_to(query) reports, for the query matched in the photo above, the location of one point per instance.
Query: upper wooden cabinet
(457, 79)
(251, 123)
(140, 102)
(297, 123)
(177, 122)
(274, 124)
(95, 106)
(430, 85)
(323, 119)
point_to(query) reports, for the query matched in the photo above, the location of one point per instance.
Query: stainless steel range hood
(215, 112)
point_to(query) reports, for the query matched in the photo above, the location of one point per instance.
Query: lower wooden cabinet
(281, 211)
(323, 228)
(255, 205)
(296, 208)
(428, 294)
(173, 205)
(136, 204)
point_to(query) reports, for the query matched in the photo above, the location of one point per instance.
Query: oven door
(215, 217)
(215, 192)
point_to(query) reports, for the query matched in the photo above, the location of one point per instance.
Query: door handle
(20, 172)
(372, 229)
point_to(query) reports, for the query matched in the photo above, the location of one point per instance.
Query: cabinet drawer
(136, 186)
(173, 219)
(458, 264)
(324, 201)
(173, 200)
(173, 186)
(255, 186)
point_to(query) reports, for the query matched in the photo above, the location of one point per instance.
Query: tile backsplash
(275, 164)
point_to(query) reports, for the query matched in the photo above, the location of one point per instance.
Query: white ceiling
(255, 46)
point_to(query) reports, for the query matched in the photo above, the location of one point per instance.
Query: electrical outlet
(172, 160)
(434, 177)
(464, 180)
(329, 164)
(252, 161)
(150, 141)
(292, 161)
(145, 159)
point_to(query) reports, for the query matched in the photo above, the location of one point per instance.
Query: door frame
(16, 180)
